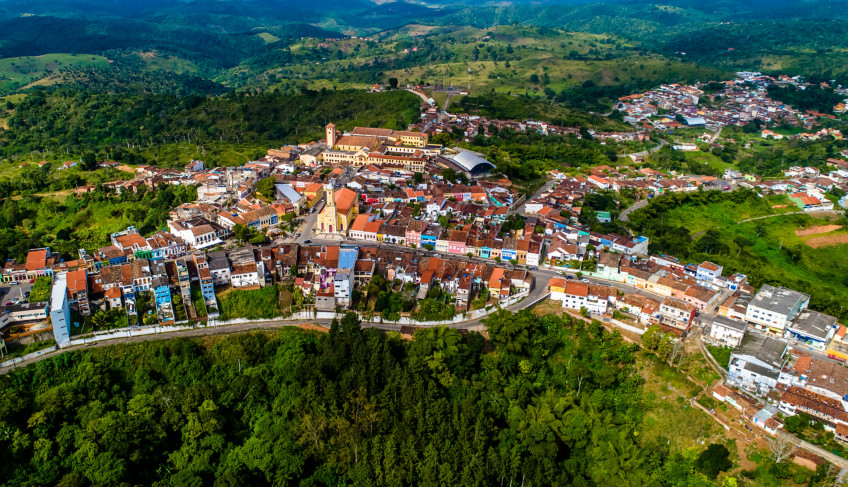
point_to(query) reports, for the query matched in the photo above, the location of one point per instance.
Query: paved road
(476, 325)
(635, 206)
(545, 188)
(646, 152)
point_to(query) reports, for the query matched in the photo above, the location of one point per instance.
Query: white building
(729, 332)
(578, 295)
(773, 307)
(756, 363)
(245, 275)
(60, 311)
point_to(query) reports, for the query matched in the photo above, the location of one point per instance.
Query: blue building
(60, 311)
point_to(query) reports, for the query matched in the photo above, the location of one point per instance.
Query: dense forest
(70, 121)
(548, 401)
(83, 221)
(813, 98)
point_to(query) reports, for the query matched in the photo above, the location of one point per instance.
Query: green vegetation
(198, 302)
(17, 72)
(67, 121)
(16, 349)
(720, 354)
(711, 226)
(555, 402)
(526, 156)
(84, 221)
(253, 304)
(108, 319)
(813, 98)
(41, 289)
(505, 107)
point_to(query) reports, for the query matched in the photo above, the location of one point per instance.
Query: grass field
(768, 250)
(21, 71)
(503, 59)
(214, 154)
(668, 414)
(709, 159)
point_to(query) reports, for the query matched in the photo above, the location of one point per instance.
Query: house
(579, 295)
(40, 262)
(813, 328)
(773, 307)
(756, 363)
(829, 411)
(838, 346)
(728, 331)
(60, 311)
(77, 285)
(198, 232)
(219, 267)
(676, 314)
(708, 271)
(245, 275)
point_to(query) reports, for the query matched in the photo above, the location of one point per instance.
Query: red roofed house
(40, 262)
(77, 282)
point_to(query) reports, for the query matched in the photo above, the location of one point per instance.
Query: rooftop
(726, 322)
(778, 299)
(766, 349)
(814, 324)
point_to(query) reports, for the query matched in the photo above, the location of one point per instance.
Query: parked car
(533, 268)
(569, 277)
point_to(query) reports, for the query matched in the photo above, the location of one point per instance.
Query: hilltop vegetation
(73, 122)
(66, 222)
(710, 226)
(555, 401)
(17, 72)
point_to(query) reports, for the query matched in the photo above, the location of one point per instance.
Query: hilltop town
(410, 233)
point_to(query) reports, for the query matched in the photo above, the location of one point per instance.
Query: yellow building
(313, 194)
(414, 139)
(339, 212)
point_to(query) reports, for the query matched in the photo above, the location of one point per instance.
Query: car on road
(307, 241)
(297, 234)
(533, 268)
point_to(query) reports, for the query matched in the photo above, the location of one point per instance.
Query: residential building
(728, 331)
(773, 307)
(813, 328)
(60, 311)
(756, 363)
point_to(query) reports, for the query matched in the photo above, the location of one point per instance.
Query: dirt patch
(817, 230)
(825, 240)
(124, 167)
(307, 326)
(779, 206)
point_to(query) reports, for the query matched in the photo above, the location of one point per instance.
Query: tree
(266, 188)
(89, 161)
(781, 447)
(393, 83)
(715, 459)
(449, 174)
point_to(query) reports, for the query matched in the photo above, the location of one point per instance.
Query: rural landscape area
(431, 243)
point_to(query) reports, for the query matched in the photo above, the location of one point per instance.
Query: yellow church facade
(339, 212)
